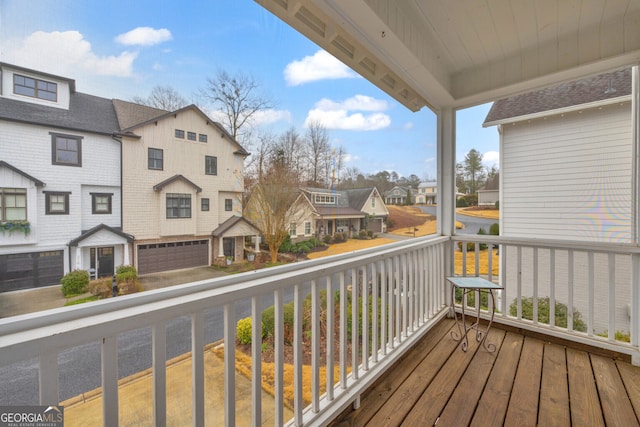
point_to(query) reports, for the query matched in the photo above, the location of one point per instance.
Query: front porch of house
(401, 286)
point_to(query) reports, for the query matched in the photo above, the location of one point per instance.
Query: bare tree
(290, 150)
(164, 98)
(238, 99)
(272, 205)
(318, 153)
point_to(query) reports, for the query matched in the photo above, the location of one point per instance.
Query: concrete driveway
(39, 299)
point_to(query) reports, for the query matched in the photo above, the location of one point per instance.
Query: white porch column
(257, 243)
(220, 247)
(125, 254)
(446, 159)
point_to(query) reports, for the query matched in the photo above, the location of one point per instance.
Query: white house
(60, 199)
(567, 173)
(427, 193)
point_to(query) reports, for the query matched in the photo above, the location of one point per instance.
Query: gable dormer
(36, 87)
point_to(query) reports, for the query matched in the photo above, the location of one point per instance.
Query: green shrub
(269, 322)
(370, 234)
(561, 313)
(362, 234)
(327, 239)
(286, 246)
(243, 330)
(471, 299)
(126, 272)
(498, 205)
(619, 336)
(494, 230)
(462, 203)
(340, 237)
(74, 282)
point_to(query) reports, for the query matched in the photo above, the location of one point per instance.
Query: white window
(373, 202)
(307, 228)
(292, 229)
(13, 204)
(178, 205)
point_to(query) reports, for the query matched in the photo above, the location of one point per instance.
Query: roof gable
(36, 181)
(176, 178)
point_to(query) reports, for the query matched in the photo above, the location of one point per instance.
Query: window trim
(293, 229)
(204, 201)
(202, 137)
(3, 206)
(179, 133)
(307, 228)
(47, 202)
(35, 88)
(180, 197)
(192, 136)
(94, 209)
(228, 205)
(54, 149)
(161, 151)
(207, 169)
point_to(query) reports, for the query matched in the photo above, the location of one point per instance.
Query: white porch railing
(599, 284)
(406, 280)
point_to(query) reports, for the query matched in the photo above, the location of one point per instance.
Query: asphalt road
(471, 223)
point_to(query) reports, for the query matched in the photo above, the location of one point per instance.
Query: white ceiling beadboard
(455, 53)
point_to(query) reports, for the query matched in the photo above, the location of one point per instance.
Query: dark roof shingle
(584, 91)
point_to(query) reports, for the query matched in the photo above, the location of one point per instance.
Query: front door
(229, 246)
(330, 227)
(102, 261)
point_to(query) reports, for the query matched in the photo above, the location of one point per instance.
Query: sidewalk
(136, 397)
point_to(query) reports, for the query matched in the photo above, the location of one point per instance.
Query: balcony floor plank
(523, 409)
(631, 378)
(526, 382)
(554, 388)
(615, 401)
(492, 407)
(585, 406)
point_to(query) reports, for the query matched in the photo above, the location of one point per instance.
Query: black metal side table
(467, 285)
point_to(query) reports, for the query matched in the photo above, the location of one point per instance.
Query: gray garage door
(30, 270)
(157, 257)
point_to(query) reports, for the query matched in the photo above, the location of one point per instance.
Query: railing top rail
(24, 334)
(620, 248)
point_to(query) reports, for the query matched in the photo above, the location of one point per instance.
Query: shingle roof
(130, 114)
(174, 178)
(86, 113)
(584, 91)
(358, 196)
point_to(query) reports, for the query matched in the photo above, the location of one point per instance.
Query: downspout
(131, 254)
(635, 138)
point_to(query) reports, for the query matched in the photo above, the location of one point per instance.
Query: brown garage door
(375, 225)
(172, 256)
(30, 270)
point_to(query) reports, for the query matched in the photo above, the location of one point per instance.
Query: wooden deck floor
(525, 382)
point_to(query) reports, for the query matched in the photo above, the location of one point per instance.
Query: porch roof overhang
(234, 224)
(125, 237)
(452, 54)
(338, 213)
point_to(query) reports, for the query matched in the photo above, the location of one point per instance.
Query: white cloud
(271, 116)
(66, 53)
(491, 158)
(408, 125)
(259, 118)
(346, 115)
(144, 36)
(320, 66)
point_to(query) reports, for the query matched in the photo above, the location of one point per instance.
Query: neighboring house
(490, 193)
(183, 179)
(59, 179)
(398, 195)
(567, 174)
(427, 193)
(326, 212)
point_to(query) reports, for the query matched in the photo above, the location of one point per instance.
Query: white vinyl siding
(568, 177)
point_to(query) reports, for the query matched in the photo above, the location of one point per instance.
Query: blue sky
(121, 49)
